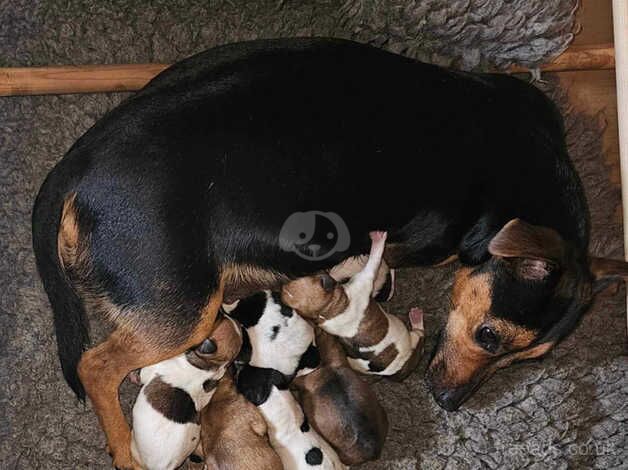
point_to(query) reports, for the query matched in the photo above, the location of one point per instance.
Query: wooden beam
(597, 57)
(131, 77)
(76, 79)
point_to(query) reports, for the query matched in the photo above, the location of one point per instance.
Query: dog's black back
(201, 169)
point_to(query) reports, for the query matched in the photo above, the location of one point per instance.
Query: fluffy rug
(566, 411)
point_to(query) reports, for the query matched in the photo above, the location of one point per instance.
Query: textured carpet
(566, 411)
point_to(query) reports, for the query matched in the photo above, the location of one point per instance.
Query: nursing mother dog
(174, 203)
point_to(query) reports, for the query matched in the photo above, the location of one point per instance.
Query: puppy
(376, 342)
(234, 434)
(275, 337)
(383, 285)
(299, 446)
(165, 415)
(341, 406)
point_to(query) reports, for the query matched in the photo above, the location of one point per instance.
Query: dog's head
(220, 349)
(311, 295)
(516, 305)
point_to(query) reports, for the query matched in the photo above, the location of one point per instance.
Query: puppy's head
(256, 383)
(220, 349)
(516, 305)
(311, 295)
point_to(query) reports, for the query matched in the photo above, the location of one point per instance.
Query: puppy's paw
(416, 318)
(134, 377)
(378, 237)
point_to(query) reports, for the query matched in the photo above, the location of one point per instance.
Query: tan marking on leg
(446, 261)
(103, 368)
(69, 234)
(243, 280)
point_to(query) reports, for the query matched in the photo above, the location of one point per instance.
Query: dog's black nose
(447, 399)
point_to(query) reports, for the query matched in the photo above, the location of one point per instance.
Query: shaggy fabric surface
(568, 410)
(466, 33)
(469, 34)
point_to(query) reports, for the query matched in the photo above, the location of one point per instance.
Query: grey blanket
(568, 410)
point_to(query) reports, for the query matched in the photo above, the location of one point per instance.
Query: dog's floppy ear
(539, 250)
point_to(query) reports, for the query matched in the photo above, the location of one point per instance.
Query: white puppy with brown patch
(166, 427)
(375, 341)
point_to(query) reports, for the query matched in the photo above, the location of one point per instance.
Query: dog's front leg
(103, 368)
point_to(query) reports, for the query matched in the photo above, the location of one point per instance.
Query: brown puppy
(341, 406)
(376, 342)
(234, 433)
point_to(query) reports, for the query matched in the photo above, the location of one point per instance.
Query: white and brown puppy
(275, 337)
(341, 406)
(234, 434)
(376, 342)
(299, 446)
(166, 425)
(383, 285)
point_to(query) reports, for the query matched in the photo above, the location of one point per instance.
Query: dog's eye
(487, 338)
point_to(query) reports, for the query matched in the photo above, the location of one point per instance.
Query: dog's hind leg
(103, 368)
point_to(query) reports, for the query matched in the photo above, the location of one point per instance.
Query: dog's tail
(69, 313)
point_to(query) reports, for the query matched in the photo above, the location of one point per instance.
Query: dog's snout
(447, 400)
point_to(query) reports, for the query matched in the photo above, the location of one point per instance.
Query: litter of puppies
(278, 383)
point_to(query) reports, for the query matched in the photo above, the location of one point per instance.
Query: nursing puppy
(383, 285)
(376, 342)
(166, 425)
(234, 434)
(299, 446)
(275, 337)
(341, 406)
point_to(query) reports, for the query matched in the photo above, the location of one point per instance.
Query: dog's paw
(122, 460)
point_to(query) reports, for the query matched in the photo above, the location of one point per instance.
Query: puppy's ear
(537, 251)
(244, 356)
(310, 359)
(206, 348)
(328, 283)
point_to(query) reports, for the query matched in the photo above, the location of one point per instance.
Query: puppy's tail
(51, 207)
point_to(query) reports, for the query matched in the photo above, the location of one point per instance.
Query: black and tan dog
(174, 202)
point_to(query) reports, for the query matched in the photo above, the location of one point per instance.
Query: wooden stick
(597, 57)
(76, 79)
(131, 77)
